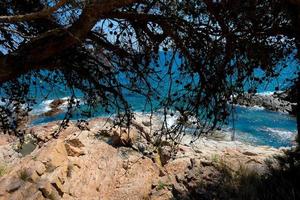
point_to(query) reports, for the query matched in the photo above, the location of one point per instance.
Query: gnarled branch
(35, 53)
(33, 16)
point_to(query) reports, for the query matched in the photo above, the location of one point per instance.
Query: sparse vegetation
(240, 184)
(215, 158)
(247, 184)
(24, 175)
(3, 170)
(161, 185)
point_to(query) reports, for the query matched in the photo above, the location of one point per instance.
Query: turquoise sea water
(262, 127)
(252, 125)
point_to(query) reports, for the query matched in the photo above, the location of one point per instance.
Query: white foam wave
(171, 120)
(285, 134)
(257, 108)
(44, 106)
(266, 93)
(250, 108)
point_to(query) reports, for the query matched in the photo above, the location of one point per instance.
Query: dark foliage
(87, 46)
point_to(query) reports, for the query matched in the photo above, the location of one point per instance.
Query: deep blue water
(262, 127)
(253, 125)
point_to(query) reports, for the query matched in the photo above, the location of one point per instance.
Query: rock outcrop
(276, 102)
(55, 107)
(78, 166)
(8, 155)
(83, 165)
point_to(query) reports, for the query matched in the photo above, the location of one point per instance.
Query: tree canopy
(104, 48)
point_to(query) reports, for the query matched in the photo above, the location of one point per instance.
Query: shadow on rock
(281, 181)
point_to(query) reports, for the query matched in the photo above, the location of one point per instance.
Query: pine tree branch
(45, 13)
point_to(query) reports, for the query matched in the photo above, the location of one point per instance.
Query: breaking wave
(277, 132)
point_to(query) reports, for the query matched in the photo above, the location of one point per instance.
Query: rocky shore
(101, 162)
(279, 102)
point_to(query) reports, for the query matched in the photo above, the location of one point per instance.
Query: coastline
(254, 123)
(53, 166)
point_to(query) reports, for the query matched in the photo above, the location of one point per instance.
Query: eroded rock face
(79, 166)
